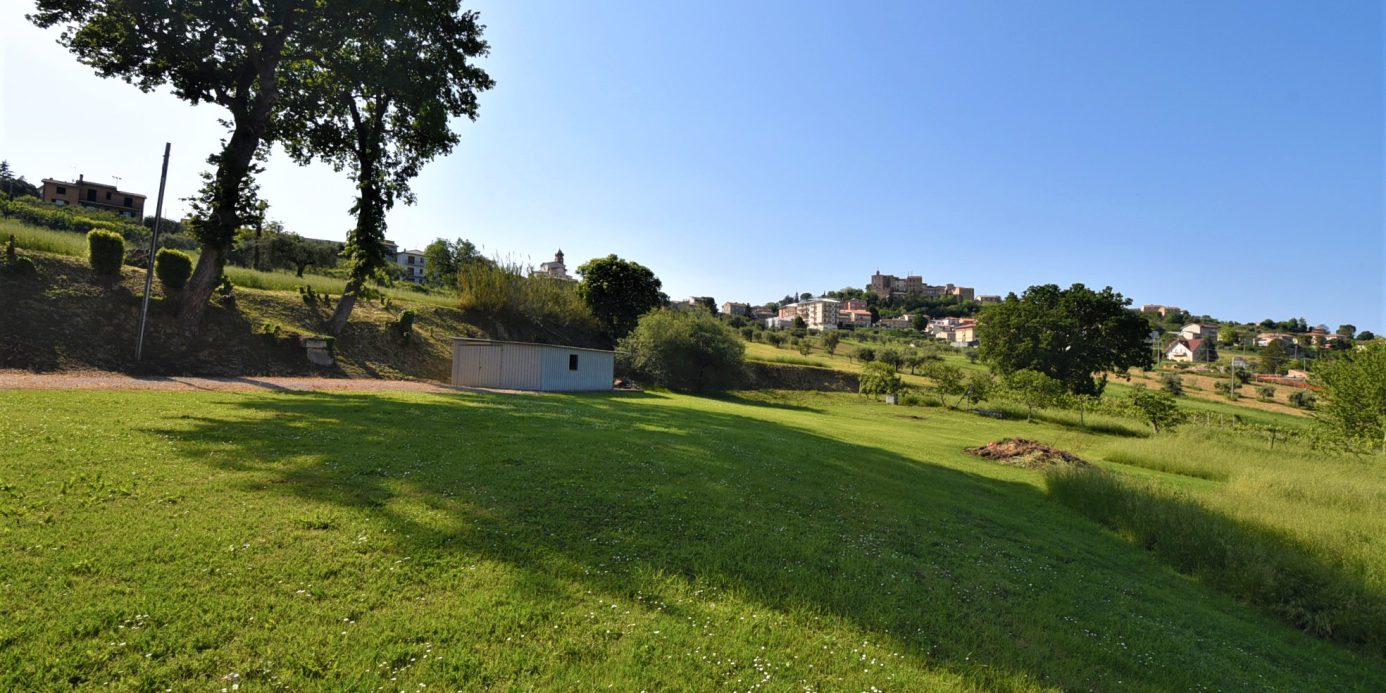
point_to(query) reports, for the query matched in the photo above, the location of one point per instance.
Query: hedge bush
(105, 252)
(173, 268)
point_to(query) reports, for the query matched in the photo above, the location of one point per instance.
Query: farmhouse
(1190, 350)
(526, 366)
(1197, 330)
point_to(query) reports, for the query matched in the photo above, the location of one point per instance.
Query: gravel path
(106, 380)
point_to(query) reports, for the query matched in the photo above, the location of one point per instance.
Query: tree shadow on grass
(984, 578)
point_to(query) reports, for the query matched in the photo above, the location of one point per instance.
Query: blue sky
(1226, 157)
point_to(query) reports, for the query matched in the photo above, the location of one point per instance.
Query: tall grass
(502, 290)
(1298, 583)
(46, 240)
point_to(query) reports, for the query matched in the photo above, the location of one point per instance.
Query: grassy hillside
(658, 542)
(65, 318)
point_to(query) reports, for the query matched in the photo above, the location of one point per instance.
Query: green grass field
(648, 541)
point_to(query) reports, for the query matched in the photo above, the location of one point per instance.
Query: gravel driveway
(105, 380)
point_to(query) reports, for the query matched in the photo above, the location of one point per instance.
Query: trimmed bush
(105, 252)
(1265, 393)
(173, 268)
(1303, 399)
(691, 351)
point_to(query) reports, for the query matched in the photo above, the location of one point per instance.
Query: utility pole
(153, 248)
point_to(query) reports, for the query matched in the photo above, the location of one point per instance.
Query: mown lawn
(657, 542)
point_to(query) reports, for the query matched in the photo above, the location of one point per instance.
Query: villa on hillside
(1190, 350)
(1196, 330)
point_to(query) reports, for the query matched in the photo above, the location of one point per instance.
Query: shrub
(1158, 408)
(879, 378)
(805, 347)
(21, 267)
(689, 351)
(1265, 393)
(404, 325)
(11, 254)
(1173, 384)
(866, 354)
(1226, 389)
(173, 268)
(1303, 399)
(105, 252)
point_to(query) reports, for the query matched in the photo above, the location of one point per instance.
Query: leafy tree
(799, 323)
(230, 54)
(1353, 413)
(292, 250)
(1034, 389)
(684, 350)
(979, 387)
(619, 292)
(866, 354)
(804, 347)
(1073, 335)
(1347, 330)
(378, 104)
(1365, 336)
(878, 378)
(1273, 357)
(442, 259)
(890, 357)
(1158, 408)
(830, 341)
(1228, 337)
(948, 379)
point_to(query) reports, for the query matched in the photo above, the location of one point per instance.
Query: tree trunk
(251, 115)
(203, 282)
(344, 306)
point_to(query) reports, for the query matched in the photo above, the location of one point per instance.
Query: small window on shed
(572, 362)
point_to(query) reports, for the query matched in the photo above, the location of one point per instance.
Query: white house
(527, 366)
(412, 262)
(1189, 350)
(1196, 330)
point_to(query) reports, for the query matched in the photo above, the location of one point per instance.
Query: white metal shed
(528, 366)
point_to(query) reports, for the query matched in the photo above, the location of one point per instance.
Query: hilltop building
(99, 196)
(554, 269)
(889, 285)
(736, 309)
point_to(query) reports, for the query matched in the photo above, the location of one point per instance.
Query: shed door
(488, 361)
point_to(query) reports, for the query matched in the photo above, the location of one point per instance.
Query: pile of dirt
(1030, 454)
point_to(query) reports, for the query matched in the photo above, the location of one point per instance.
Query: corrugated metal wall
(594, 370)
(530, 367)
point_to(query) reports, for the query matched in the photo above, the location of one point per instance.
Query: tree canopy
(377, 104)
(230, 54)
(1354, 390)
(1074, 335)
(618, 292)
(442, 259)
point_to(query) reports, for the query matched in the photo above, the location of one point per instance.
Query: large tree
(619, 292)
(227, 53)
(442, 259)
(1075, 335)
(378, 105)
(1354, 390)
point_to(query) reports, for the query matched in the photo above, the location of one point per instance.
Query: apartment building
(412, 261)
(98, 196)
(818, 313)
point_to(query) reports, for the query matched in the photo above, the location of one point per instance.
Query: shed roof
(497, 342)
